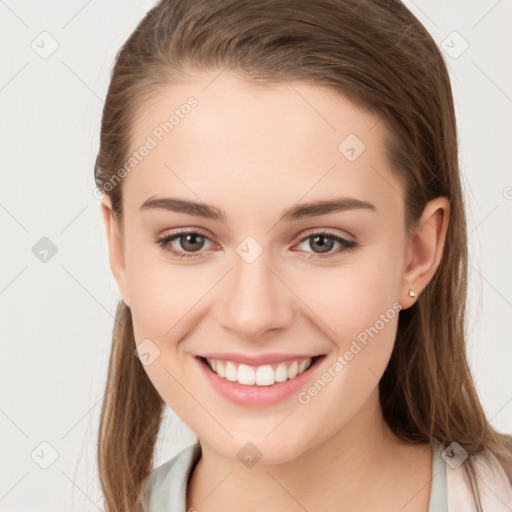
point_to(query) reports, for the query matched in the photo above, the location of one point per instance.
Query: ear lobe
(115, 247)
(426, 245)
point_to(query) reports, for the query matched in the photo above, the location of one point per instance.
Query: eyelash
(165, 243)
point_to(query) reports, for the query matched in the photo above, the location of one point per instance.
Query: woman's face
(256, 282)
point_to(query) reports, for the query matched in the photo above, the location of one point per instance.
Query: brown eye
(322, 244)
(191, 241)
(184, 244)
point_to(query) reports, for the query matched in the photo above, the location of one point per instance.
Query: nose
(255, 299)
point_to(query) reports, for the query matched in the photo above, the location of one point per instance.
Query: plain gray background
(57, 315)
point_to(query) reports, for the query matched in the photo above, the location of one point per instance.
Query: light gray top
(438, 492)
(166, 486)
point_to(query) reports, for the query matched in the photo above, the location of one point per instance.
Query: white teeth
(246, 375)
(281, 373)
(264, 375)
(231, 373)
(292, 371)
(303, 365)
(220, 370)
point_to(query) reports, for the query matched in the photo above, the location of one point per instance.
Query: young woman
(286, 227)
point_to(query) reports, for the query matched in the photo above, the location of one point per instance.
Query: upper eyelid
(327, 232)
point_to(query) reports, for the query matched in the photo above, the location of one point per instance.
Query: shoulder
(495, 488)
(165, 488)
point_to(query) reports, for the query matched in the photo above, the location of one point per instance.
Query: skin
(254, 152)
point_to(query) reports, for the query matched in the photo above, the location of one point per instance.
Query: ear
(115, 247)
(425, 249)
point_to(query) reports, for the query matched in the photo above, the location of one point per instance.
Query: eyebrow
(300, 211)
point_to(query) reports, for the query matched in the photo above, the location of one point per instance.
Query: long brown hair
(379, 56)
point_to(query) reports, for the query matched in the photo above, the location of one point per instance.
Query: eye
(184, 244)
(323, 242)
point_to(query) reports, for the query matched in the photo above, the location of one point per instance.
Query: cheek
(356, 306)
(349, 298)
(360, 306)
(161, 293)
(164, 305)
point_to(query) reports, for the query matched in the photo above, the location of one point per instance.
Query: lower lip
(257, 395)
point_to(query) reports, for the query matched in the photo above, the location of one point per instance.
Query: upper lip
(257, 360)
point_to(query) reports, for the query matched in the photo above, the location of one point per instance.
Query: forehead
(220, 136)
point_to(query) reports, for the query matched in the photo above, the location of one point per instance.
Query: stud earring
(412, 293)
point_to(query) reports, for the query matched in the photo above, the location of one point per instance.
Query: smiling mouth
(263, 375)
